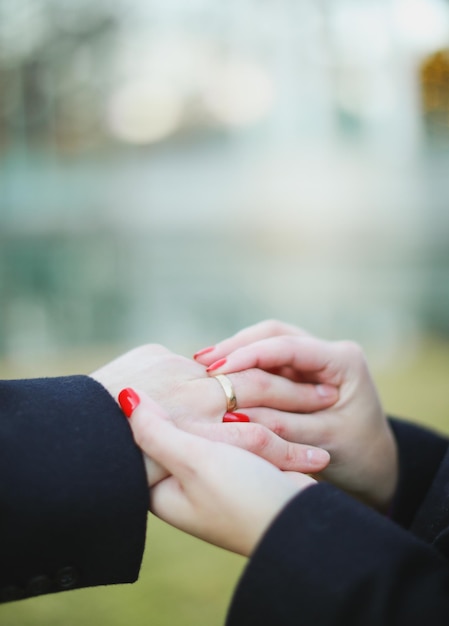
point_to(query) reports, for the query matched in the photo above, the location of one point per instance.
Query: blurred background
(172, 171)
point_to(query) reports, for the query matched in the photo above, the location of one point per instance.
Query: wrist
(274, 510)
(112, 386)
(388, 482)
(384, 474)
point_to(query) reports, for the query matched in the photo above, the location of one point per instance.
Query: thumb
(156, 434)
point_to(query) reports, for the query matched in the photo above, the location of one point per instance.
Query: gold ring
(228, 388)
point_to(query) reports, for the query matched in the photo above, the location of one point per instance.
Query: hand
(178, 384)
(197, 403)
(216, 492)
(354, 430)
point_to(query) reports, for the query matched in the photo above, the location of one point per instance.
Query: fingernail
(203, 351)
(216, 365)
(325, 391)
(317, 457)
(128, 400)
(235, 417)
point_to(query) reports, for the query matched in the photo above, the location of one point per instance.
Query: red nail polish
(235, 417)
(203, 351)
(128, 400)
(216, 365)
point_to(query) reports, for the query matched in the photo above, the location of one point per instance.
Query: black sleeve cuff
(73, 492)
(421, 452)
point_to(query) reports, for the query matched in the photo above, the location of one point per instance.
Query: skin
(214, 489)
(196, 403)
(354, 430)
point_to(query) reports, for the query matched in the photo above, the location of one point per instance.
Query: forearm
(73, 492)
(329, 561)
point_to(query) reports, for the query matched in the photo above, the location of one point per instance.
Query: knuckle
(236, 435)
(154, 346)
(258, 381)
(150, 350)
(259, 438)
(286, 342)
(272, 327)
(291, 458)
(351, 349)
(326, 437)
(177, 359)
(278, 427)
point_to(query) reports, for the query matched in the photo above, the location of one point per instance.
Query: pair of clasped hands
(307, 410)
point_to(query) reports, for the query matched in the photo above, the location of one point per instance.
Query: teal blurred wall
(172, 171)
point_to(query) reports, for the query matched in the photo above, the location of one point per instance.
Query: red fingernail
(203, 351)
(235, 417)
(215, 365)
(128, 400)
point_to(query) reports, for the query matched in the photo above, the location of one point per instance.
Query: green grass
(183, 581)
(417, 387)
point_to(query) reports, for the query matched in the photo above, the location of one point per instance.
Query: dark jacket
(73, 492)
(328, 560)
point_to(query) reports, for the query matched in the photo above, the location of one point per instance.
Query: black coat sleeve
(328, 560)
(73, 491)
(421, 452)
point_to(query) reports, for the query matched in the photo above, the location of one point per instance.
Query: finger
(170, 503)
(173, 449)
(309, 430)
(146, 352)
(262, 330)
(155, 472)
(304, 354)
(291, 373)
(254, 387)
(259, 440)
(299, 479)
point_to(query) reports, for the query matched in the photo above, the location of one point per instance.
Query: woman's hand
(354, 430)
(197, 403)
(216, 492)
(187, 393)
